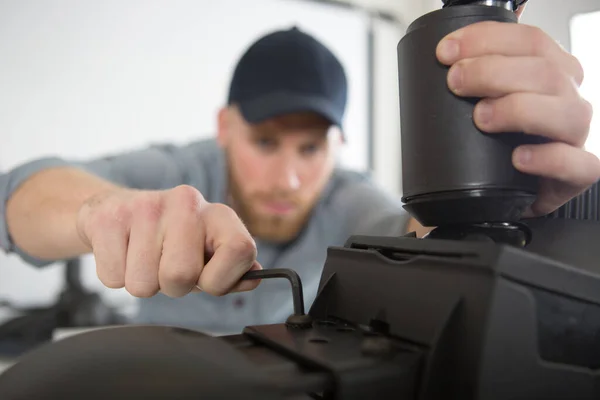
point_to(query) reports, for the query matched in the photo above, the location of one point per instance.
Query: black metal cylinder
(452, 172)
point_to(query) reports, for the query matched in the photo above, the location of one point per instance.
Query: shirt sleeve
(155, 167)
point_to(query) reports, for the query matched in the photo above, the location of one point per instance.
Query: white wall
(554, 16)
(144, 71)
(584, 44)
(403, 10)
(388, 155)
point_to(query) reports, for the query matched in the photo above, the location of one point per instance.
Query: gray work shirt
(351, 204)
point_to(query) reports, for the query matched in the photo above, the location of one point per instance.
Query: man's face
(277, 169)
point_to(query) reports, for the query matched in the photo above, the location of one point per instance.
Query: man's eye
(309, 149)
(265, 143)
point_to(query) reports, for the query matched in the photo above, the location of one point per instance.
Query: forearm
(41, 214)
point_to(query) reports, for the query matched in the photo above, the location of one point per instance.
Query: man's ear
(335, 136)
(222, 126)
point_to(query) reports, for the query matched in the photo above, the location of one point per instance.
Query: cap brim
(273, 105)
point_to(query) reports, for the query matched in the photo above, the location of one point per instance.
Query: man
(178, 226)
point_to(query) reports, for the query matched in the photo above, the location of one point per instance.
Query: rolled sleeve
(9, 182)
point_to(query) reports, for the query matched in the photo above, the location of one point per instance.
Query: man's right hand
(171, 241)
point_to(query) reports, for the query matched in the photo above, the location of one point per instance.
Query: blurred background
(81, 79)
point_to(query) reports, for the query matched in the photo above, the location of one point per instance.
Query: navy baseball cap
(289, 71)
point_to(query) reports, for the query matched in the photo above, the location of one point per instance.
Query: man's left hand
(528, 83)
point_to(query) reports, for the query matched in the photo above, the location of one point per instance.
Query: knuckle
(187, 197)
(229, 214)
(578, 72)
(572, 64)
(580, 112)
(587, 112)
(243, 246)
(147, 206)
(554, 77)
(120, 213)
(540, 41)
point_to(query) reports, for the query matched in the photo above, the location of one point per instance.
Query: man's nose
(288, 177)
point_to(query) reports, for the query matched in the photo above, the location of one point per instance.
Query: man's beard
(271, 228)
